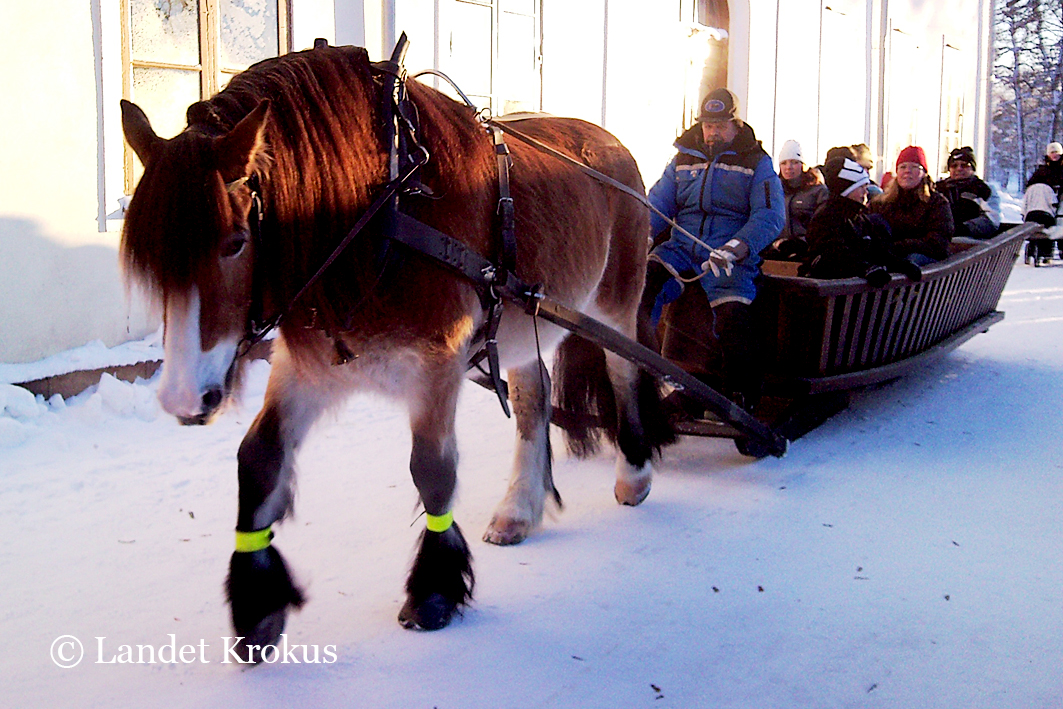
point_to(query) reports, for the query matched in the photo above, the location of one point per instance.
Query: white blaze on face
(187, 371)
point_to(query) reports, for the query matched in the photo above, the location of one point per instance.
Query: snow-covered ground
(908, 553)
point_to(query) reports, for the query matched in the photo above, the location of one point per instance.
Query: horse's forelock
(176, 218)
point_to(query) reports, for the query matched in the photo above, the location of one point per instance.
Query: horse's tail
(586, 402)
(584, 396)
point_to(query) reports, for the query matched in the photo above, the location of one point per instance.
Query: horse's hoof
(505, 532)
(256, 643)
(433, 614)
(632, 492)
(632, 486)
(260, 591)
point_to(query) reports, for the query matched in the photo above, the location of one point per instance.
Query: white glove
(722, 260)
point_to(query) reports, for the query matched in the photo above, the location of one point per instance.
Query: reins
(493, 280)
(502, 125)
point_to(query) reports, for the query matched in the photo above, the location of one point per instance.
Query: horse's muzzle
(212, 400)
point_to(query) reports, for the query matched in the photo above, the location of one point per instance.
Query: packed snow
(94, 355)
(905, 554)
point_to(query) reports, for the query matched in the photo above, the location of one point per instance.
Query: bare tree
(1027, 85)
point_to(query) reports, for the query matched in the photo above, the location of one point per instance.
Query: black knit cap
(719, 106)
(843, 175)
(964, 154)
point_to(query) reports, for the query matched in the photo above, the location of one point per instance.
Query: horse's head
(187, 240)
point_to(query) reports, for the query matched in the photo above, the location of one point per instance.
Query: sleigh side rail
(829, 335)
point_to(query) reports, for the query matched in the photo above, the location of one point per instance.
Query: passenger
(1041, 200)
(840, 151)
(919, 217)
(804, 192)
(975, 205)
(722, 188)
(845, 239)
(867, 161)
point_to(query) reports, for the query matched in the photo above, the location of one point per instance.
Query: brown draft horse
(307, 128)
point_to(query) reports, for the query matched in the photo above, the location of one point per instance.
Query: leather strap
(507, 261)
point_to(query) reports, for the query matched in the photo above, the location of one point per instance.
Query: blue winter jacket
(732, 193)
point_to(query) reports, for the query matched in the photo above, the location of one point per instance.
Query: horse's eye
(233, 246)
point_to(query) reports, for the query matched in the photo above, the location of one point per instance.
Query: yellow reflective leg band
(441, 523)
(253, 541)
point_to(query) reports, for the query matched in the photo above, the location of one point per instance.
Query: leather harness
(407, 155)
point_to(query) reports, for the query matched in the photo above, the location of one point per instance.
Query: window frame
(208, 68)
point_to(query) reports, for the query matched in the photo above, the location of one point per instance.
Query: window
(953, 73)
(494, 52)
(707, 13)
(706, 23)
(177, 52)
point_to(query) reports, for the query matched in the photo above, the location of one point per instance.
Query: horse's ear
(138, 131)
(236, 151)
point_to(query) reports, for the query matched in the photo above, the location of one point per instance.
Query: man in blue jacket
(722, 190)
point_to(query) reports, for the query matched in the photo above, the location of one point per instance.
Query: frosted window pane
(248, 32)
(165, 95)
(517, 77)
(470, 48)
(165, 30)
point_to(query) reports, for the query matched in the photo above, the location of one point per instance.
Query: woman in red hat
(920, 217)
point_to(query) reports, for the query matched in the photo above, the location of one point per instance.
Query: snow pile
(1010, 207)
(23, 415)
(94, 355)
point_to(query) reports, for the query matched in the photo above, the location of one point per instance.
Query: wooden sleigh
(823, 339)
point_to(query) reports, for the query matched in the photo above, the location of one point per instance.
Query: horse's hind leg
(634, 473)
(441, 579)
(521, 510)
(259, 587)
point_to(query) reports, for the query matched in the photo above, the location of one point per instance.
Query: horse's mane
(324, 160)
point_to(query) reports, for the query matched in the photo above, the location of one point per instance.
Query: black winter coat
(918, 227)
(845, 239)
(969, 215)
(1050, 173)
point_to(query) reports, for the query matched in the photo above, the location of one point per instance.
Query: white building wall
(59, 280)
(622, 64)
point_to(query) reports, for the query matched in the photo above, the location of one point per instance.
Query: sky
(907, 553)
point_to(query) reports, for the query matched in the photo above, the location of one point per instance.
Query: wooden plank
(932, 317)
(839, 332)
(941, 321)
(874, 324)
(895, 311)
(876, 375)
(852, 332)
(919, 315)
(939, 314)
(828, 333)
(913, 295)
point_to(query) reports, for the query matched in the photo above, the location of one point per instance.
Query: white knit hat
(1054, 148)
(791, 150)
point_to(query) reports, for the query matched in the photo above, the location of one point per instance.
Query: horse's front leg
(441, 579)
(260, 588)
(521, 510)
